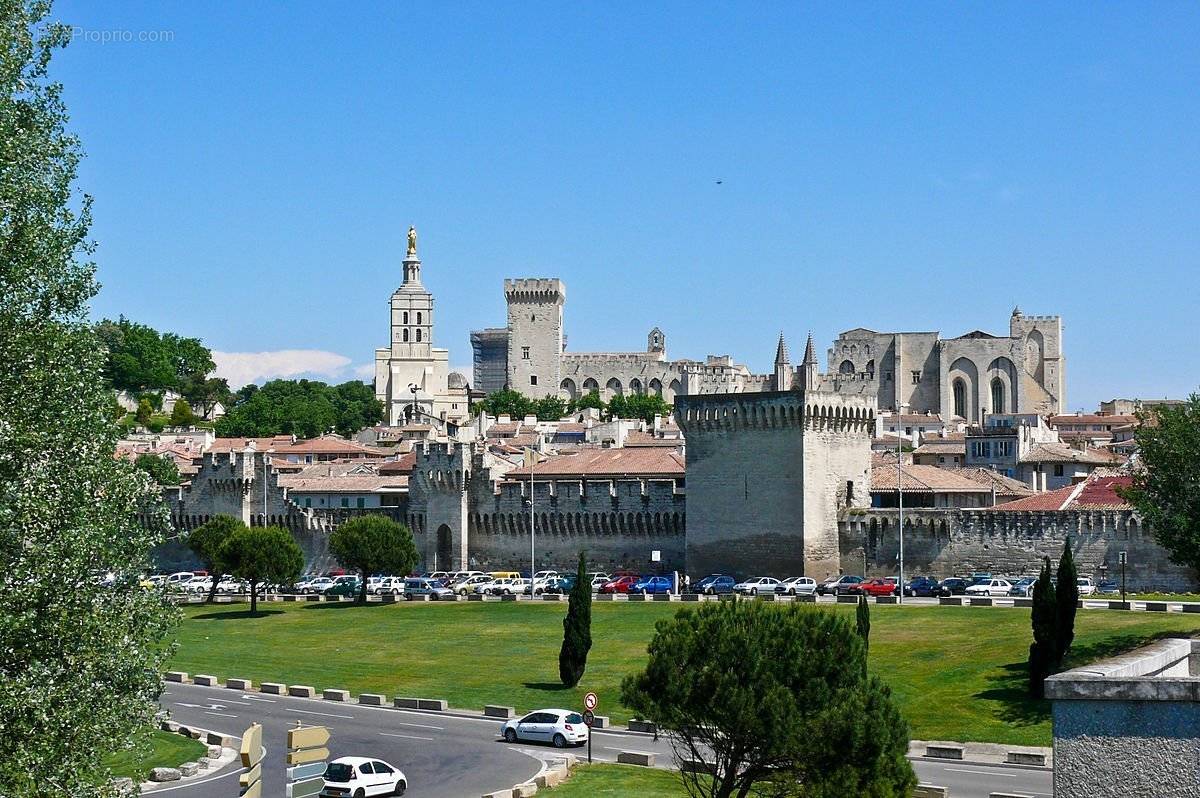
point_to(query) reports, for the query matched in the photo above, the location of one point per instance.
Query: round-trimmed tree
(372, 544)
(262, 554)
(206, 541)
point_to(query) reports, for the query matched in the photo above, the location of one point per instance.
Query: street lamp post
(900, 500)
(532, 550)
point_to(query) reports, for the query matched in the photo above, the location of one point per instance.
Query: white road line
(977, 771)
(406, 736)
(231, 701)
(421, 726)
(263, 700)
(325, 714)
(222, 714)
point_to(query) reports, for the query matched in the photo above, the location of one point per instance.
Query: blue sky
(919, 168)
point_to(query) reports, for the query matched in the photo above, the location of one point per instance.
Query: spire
(809, 374)
(781, 353)
(810, 352)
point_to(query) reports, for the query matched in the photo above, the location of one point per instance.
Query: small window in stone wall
(524, 353)
(533, 379)
(916, 378)
(849, 491)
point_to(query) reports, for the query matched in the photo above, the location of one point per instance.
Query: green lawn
(958, 673)
(625, 781)
(165, 750)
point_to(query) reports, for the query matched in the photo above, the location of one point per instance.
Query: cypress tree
(1044, 620)
(862, 621)
(1067, 597)
(577, 629)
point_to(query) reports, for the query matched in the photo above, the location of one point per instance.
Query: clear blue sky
(919, 168)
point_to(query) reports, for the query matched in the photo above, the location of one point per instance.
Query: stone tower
(783, 366)
(412, 315)
(535, 335)
(656, 342)
(809, 373)
(1042, 366)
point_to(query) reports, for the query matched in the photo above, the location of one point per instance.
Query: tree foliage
(1166, 491)
(1043, 617)
(517, 406)
(1066, 597)
(305, 408)
(206, 542)
(181, 413)
(777, 698)
(638, 405)
(79, 661)
(261, 554)
(591, 399)
(140, 358)
(145, 411)
(577, 628)
(373, 544)
(161, 469)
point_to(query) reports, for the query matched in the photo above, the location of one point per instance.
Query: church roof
(976, 334)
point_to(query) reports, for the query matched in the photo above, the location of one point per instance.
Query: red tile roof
(401, 465)
(925, 479)
(1097, 492)
(609, 463)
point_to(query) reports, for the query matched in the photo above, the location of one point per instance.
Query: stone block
(169, 726)
(494, 711)
(239, 684)
(508, 597)
(1025, 758)
(451, 597)
(499, 794)
(312, 597)
(524, 790)
(189, 769)
(666, 597)
(551, 597)
(387, 598)
(165, 774)
(214, 752)
(125, 786)
(416, 596)
(981, 601)
(218, 741)
(944, 751)
(1022, 602)
(642, 758)
(1120, 605)
(886, 600)
(636, 597)
(950, 601)
(291, 597)
(177, 676)
(204, 680)
(372, 700)
(600, 722)
(330, 694)
(432, 704)
(641, 726)
(930, 791)
(273, 688)
(1156, 606)
(604, 597)
(809, 598)
(690, 597)
(203, 762)
(697, 766)
(301, 691)
(475, 597)
(406, 703)
(1191, 606)
(766, 596)
(847, 599)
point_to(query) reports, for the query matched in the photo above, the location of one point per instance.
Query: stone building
(967, 376)
(412, 377)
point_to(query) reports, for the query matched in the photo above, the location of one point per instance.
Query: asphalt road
(447, 756)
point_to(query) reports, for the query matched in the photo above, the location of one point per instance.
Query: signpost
(250, 752)
(306, 750)
(590, 702)
(1124, 560)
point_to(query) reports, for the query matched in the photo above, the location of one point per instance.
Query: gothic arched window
(406, 336)
(406, 317)
(418, 317)
(960, 398)
(418, 334)
(997, 395)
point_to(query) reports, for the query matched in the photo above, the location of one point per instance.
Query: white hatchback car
(358, 777)
(797, 586)
(992, 587)
(757, 584)
(560, 727)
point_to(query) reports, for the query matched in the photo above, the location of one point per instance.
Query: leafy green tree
(206, 393)
(1043, 617)
(777, 698)
(549, 408)
(355, 407)
(161, 469)
(144, 411)
(1067, 601)
(181, 413)
(80, 662)
(577, 628)
(1166, 491)
(140, 358)
(637, 405)
(862, 625)
(591, 399)
(373, 544)
(261, 554)
(206, 542)
(305, 408)
(507, 403)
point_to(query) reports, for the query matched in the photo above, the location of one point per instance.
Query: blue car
(651, 584)
(715, 584)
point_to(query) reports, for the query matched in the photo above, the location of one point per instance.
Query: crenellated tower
(535, 335)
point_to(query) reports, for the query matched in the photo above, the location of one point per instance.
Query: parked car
(561, 727)
(1023, 587)
(797, 586)
(1108, 587)
(349, 776)
(233, 585)
(425, 586)
(388, 586)
(180, 578)
(560, 584)
(953, 586)
(503, 587)
(651, 584)
(991, 587)
(1086, 586)
(198, 585)
(755, 585)
(715, 584)
(877, 587)
(344, 587)
(923, 586)
(468, 585)
(318, 585)
(619, 585)
(841, 585)
(594, 575)
(599, 581)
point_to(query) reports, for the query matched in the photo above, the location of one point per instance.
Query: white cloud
(365, 371)
(241, 368)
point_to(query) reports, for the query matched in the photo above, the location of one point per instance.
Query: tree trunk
(362, 588)
(212, 591)
(253, 597)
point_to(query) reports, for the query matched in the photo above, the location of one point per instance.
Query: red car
(878, 587)
(619, 585)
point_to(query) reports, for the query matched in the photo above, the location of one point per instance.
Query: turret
(783, 366)
(808, 367)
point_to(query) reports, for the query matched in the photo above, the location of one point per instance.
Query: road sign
(1124, 557)
(589, 718)
(590, 701)
(250, 776)
(306, 771)
(304, 789)
(253, 791)
(251, 750)
(307, 737)
(307, 755)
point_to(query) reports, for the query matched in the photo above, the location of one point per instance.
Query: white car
(599, 581)
(1086, 586)
(797, 586)
(358, 776)
(231, 585)
(318, 585)
(388, 586)
(501, 587)
(198, 585)
(180, 578)
(992, 587)
(469, 584)
(755, 585)
(561, 727)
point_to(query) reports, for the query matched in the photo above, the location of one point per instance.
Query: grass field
(166, 750)
(619, 780)
(958, 673)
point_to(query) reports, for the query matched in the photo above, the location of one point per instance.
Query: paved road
(445, 756)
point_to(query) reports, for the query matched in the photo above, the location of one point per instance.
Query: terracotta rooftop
(942, 446)
(632, 462)
(925, 479)
(344, 484)
(642, 439)
(401, 465)
(1097, 492)
(1063, 453)
(913, 418)
(1005, 485)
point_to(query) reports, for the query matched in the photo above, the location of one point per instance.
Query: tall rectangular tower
(535, 335)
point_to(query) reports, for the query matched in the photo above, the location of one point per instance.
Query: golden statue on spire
(412, 241)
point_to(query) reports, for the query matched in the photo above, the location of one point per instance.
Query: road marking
(325, 714)
(222, 714)
(406, 736)
(420, 726)
(263, 700)
(977, 771)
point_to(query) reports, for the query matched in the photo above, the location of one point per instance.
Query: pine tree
(181, 413)
(1067, 597)
(862, 620)
(577, 629)
(1043, 618)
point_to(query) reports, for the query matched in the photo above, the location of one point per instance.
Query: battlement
(774, 409)
(594, 357)
(535, 289)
